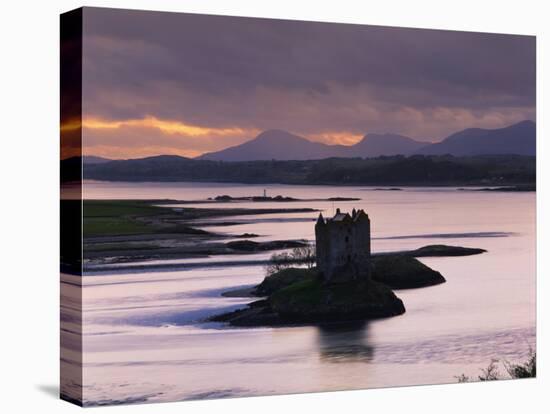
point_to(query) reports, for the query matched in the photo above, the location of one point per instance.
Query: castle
(342, 246)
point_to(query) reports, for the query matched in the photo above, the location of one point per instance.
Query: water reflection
(347, 342)
(143, 331)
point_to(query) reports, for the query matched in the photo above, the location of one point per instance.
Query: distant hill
(275, 144)
(486, 170)
(519, 139)
(283, 146)
(92, 159)
(375, 145)
(169, 167)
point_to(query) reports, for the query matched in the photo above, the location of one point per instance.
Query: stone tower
(342, 246)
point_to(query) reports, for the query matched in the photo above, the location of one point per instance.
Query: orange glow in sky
(166, 126)
(341, 138)
(184, 130)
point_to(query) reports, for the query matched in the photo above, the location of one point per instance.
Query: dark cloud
(303, 76)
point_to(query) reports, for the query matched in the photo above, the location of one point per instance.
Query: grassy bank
(130, 217)
(128, 230)
(120, 217)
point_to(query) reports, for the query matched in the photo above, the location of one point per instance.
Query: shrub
(527, 369)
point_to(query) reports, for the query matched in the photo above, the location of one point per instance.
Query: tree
(301, 255)
(278, 262)
(304, 254)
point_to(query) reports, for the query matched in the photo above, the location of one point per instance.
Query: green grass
(284, 278)
(306, 292)
(118, 217)
(305, 286)
(313, 291)
(109, 226)
(117, 208)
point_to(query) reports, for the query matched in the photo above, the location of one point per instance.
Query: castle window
(347, 239)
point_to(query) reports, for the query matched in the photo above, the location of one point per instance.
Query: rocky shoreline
(299, 296)
(310, 301)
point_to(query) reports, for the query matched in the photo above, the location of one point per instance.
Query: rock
(395, 271)
(299, 296)
(247, 235)
(342, 199)
(247, 292)
(435, 250)
(246, 245)
(317, 302)
(513, 188)
(257, 313)
(403, 272)
(252, 246)
(223, 198)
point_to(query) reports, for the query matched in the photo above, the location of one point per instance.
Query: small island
(278, 198)
(342, 281)
(520, 188)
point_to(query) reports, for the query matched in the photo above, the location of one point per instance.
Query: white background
(29, 222)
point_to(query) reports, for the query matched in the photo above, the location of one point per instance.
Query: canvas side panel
(71, 381)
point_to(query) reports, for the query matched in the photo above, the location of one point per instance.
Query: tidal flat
(145, 329)
(127, 230)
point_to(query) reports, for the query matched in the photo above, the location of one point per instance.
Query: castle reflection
(347, 342)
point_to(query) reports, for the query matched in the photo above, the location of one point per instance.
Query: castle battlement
(343, 246)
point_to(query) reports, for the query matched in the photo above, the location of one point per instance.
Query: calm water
(144, 340)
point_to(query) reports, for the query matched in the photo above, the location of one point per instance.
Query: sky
(171, 83)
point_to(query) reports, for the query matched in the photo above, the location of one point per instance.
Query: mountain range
(92, 159)
(519, 139)
(276, 144)
(281, 145)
